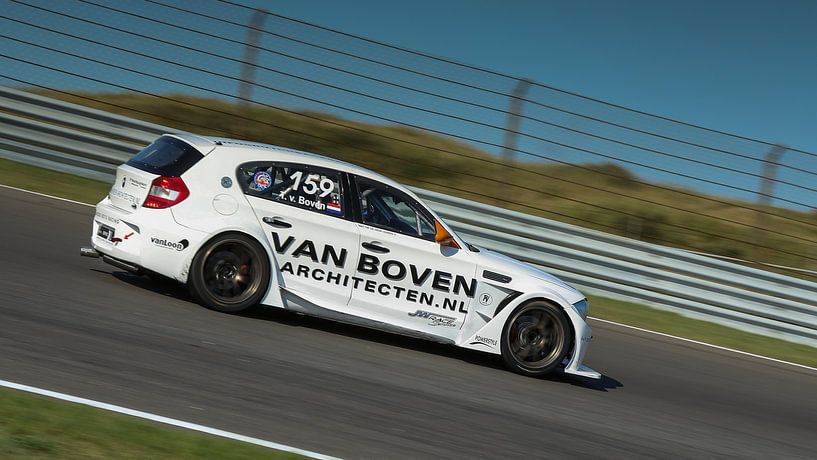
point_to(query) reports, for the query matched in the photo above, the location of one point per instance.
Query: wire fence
(423, 119)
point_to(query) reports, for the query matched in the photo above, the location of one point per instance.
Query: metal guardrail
(69, 137)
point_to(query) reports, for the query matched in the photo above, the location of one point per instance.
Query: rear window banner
(317, 191)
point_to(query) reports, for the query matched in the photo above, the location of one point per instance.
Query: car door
(305, 214)
(403, 276)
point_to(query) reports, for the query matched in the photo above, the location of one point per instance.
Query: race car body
(246, 224)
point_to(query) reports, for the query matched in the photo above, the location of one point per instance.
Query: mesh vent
(493, 276)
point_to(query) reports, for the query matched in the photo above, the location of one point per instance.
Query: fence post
(247, 80)
(765, 194)
(512, 126)
(517, 99)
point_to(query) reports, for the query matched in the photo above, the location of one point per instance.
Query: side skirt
(298, 304)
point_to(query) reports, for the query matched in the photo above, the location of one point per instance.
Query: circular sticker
(226, 182)
(262, 180)
(485, 299)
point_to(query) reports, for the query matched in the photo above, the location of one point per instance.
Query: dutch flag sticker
(334, 208)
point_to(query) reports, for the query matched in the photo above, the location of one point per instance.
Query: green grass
(674, 324)
(52, 182)
(89, 191)
(36, 427)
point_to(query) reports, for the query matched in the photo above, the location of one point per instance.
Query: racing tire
(230, 273)
(536, 338)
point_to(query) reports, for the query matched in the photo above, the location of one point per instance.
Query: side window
(307, 187)
(384, 207)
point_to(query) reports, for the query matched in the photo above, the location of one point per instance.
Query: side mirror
(443, 237)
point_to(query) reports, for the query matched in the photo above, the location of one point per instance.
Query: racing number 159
(310, 187)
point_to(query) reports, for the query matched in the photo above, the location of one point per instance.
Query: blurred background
(499, 136)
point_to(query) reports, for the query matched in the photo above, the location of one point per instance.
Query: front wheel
(230, 273)
(536, 338)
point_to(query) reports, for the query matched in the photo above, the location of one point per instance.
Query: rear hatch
(165, 157)
(130, 187)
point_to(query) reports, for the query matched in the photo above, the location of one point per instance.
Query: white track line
(44, 195)
(165, 420)
(745, 353)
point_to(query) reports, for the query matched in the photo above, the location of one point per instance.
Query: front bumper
(575, 367)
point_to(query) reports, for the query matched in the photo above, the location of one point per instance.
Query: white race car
(244, 224)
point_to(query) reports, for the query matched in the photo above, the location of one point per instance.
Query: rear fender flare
(273, 294)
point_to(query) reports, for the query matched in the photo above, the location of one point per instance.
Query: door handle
(374, 246)
(276, 222)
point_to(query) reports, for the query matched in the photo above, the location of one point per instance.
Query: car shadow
(604, 384)
(171, 288)
(157, 284)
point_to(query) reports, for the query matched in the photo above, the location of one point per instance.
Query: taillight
(166, 192)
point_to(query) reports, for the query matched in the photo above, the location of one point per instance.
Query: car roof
(284, 154)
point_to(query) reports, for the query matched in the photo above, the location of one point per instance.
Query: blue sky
(740, 66)
(748, 67)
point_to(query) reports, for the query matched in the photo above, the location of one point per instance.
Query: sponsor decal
(376, 229)
(133, 182)
(486, 299)
(262, 180)
(368, 266)
(312, 184)
(226, 182)
(435, 319)
(137, 183)
(116, 241)
(124, 196)
(106, 218)
(311, 190)
(306, 202)
(480, 340)
(162, 243)
(374, 287)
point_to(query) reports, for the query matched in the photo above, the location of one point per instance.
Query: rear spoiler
(200, 143)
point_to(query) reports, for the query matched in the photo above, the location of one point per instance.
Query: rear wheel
(536, 338)
(230, 273)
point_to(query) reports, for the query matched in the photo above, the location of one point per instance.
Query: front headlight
(582, 307)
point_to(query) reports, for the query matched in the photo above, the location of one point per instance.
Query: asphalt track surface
(81, 327)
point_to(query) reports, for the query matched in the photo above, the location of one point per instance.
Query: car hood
(500, 263)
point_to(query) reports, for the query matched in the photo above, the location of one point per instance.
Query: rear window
(166, 156)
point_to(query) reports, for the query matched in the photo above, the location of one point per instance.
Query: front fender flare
(487, 338)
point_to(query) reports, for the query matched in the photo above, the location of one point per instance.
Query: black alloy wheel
(230, 273)
(536, 338)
